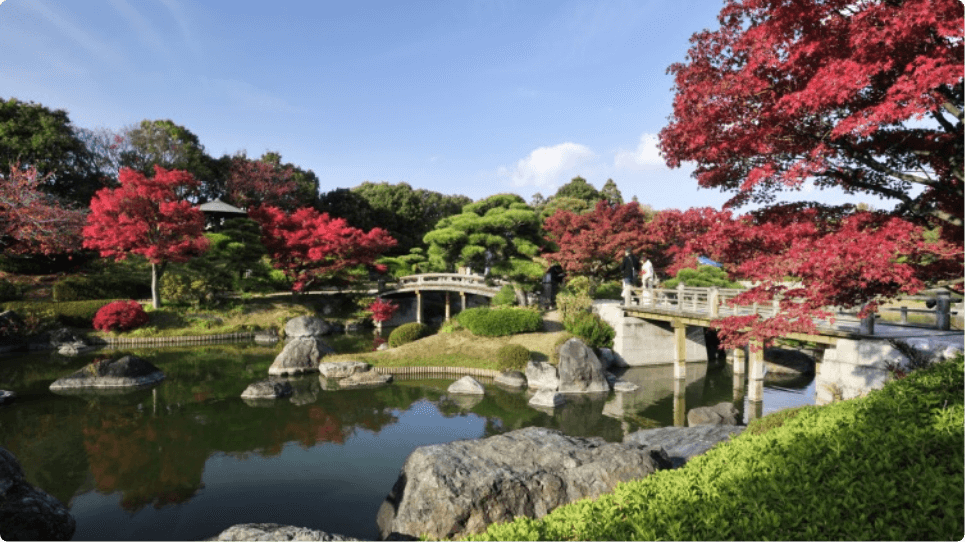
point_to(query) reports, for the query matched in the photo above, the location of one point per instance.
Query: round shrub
(505, 298)
(511, 357)
(499, 322)
(120, 316)
(591, 329)
(406, 333)
(8, 291)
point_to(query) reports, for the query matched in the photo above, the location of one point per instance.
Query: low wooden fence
(173, 341)
(437, 371)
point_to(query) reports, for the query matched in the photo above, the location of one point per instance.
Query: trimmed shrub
(8, 290)
(591, 329)
(99, 287)
(120, 316)
(571, 303)
(505, 298)
(406, 333)
(499, 322)
(188, 288)
(609, 290)
(512, 357)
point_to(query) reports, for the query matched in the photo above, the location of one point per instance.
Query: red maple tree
(592, 244)
(382, 310)
(310, 246)
(145, 217)
(866, 96)
(256, 182)
(33, 222)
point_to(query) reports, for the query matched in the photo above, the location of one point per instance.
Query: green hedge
(93, 287)
(505, 298)
(70, 313)
(885, 467)
(512, 357)
(488, 322)
(591, 329)
(406, 333)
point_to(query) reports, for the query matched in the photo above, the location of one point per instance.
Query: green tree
(171, 146)
(611, 193)
(37, 137)
(580, 189)
(705, 276)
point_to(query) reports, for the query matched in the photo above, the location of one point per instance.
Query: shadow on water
(188, 457)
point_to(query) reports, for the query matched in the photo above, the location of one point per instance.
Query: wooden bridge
(445, 282)
(683, 307)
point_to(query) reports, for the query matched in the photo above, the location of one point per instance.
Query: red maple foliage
(256, 182)
(32, 222)
(120, 316)
(592, 244)
(145, 217)
(382, 310)
(863, 95)
(310, 246)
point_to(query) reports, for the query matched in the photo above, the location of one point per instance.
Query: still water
(189, 458)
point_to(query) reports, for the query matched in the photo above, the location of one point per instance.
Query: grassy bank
(888, 466)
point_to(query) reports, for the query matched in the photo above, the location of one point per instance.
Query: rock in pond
(547, 399)
(27, 512)
(683, 443)
(266, 337)
(275, 532)
(7, 396)
(789, 362)
(342, 369)
(457, 489)
(511, 379)
(624, 386)
(367, 378)
(580, 371)
(541, 375)
(267, 389)
(466, 385)
(306, 326)
(126, 372)
(300, 355)
(720, 414)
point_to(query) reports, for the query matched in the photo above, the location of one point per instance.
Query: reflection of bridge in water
(448, 283)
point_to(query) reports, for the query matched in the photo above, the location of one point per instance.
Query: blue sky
(458, 96)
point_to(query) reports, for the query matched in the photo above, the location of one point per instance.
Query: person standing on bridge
(647, 277)
(630, 267)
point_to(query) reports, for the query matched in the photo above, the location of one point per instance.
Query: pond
(189, 458)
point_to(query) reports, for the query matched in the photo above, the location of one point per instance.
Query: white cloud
(548, 166)
(645, 156)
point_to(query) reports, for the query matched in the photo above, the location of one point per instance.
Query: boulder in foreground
(300, 355)
(457, 489)
(26, 512)
(273, 532)
(684, 443)
(720, 414)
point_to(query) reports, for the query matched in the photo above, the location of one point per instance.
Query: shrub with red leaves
(120, 316)
(382, 310)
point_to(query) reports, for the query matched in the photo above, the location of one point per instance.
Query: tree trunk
(157, 271)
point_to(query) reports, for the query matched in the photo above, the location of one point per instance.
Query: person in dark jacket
(630, 268)
(551, 284)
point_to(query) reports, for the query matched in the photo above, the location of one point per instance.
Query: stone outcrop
(580, 371)
(275, 532)
(457, 489)
(511, 379)
(342, 369)
(300, 355)
(367, 378)
(466, 385)
(719, 414)
(126, 372)
(547, 399)
(542, 375)
(683, 443)
(306, 326)
(68, 343)
(26, 512)
(267, 389)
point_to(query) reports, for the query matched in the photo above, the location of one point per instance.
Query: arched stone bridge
(445, 282)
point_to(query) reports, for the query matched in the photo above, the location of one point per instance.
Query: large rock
(580, 371)
(274, 532)
(26, 512)
(542, 375)
(300, 355)
(457, 489)
(342, 369)
(68, 343)
(306, 326)
(365, 379)
(790, 362)
(547, 399)
(511, 379)
(684, 443)
(719, 414)
(267, 389)
(466, 385)
(126, 372)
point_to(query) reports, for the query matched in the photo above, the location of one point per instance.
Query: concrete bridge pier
(755, 380)
(680, 402)
(418, 306)
(739, 359)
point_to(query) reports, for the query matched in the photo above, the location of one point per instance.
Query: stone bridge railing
(454, 282)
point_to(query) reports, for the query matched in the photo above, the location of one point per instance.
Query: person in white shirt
(646, 273)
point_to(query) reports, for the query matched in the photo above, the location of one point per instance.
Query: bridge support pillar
(418, 306)
(448, 311)
(680, 402)
(680, 350)
(755, 380)
(739, 360)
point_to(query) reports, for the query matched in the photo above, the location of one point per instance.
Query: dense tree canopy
(31, 221)
(862, 95)
(36, 137)
(146, 216)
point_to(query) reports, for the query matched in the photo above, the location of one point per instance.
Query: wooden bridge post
(755, 384)
(680, 349)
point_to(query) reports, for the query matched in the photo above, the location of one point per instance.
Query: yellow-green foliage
(512, 357)
(406, 333)
(888, 466)
(501, 321)
(591, 329)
